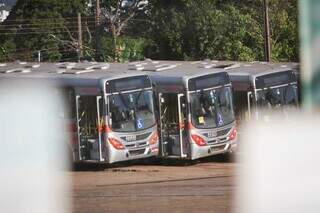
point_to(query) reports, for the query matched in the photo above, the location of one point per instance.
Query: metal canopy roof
(77, 74)
(175, 69)
(242, 77)
(207, 64)
(83, 66)
(153, 66)
(162, 72)
(172, 75)
(254, 69)
(18, 67)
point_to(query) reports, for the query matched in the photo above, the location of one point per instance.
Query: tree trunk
(115, 46)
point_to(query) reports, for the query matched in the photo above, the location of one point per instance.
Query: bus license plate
(217, 148)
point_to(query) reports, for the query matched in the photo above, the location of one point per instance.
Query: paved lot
(202, 187)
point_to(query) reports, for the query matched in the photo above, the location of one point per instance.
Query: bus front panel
(212, 120)
(131, 124)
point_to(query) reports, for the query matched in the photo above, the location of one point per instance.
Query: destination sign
(209, 81)
(126, 84)
(275, 79)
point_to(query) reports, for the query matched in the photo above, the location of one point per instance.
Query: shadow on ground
(222, 158)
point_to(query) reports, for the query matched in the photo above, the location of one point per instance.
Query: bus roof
(173, 72)
(77, 74)
(255, 69)
(244, 75)
(161, 72)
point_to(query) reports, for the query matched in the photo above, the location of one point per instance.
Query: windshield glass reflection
(212, 108)
(281, 99)
(132, 111)
(277, 97)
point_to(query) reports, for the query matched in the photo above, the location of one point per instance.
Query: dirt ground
(201, 187)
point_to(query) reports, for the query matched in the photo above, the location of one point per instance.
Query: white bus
(111, 111)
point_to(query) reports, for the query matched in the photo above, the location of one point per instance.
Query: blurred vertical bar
(310, 52)
(33, 156)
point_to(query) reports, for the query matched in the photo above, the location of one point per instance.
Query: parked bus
(112, 115)
(263, 88)
(195, 109)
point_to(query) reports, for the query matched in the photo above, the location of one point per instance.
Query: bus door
(100, 125)
(172, 124)
(89, 123)
(182, 124)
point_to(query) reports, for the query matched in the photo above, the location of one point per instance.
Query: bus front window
(212, 108)
(281, 99)
(132, 111)
(277, 97)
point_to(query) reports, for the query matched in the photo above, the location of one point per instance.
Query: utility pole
(267, 46)
(97, 24)
(80, 47)
(98, 12)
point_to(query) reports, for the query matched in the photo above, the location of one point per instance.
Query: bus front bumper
(210, 150)
(132, 154)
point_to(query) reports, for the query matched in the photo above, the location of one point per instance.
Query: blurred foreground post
(278, 170)
(32, 156)
(310, 52)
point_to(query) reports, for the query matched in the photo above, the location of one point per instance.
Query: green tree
(199, 29)
(116, 16)
(284, 30)
(35, 25)
(221, 29)
(159, 29)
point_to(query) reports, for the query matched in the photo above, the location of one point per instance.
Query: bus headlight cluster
(116, 144)
(154, 138)
(233, 134)
(198, 140)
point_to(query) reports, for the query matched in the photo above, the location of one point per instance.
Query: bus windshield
(212, 108)
(132, 111)
(277, 97)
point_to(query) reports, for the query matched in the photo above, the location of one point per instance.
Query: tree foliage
(227, 30)
(160, 29)
(32, 23)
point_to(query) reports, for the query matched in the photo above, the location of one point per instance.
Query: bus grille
(132, 145)
(218, 148)
(138, 137)
(223, 132)
(217, 141)
(143, 136)
(137, 152)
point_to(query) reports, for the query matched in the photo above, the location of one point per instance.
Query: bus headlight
(154, 138)
(198, 140)
(233, 134)
(116, 144)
